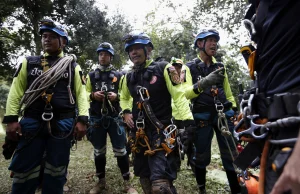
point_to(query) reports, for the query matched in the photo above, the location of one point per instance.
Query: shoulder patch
(174, 77)
(82, 77)
(183, 76)
(18, 70)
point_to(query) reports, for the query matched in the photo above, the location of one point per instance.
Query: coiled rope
(47, 79)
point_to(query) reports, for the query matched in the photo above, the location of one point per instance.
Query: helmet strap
(145, 51)
(203, 48)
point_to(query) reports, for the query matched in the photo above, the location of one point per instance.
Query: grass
(81, 173)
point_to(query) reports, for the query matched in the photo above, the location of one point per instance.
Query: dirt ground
(81, 176)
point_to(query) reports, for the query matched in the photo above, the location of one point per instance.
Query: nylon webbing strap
(250, 152)
(151, 115)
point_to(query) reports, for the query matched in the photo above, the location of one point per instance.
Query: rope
(141, 135)
(48, 78)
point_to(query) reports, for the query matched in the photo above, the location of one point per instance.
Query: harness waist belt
(197, 108)
(279, 106)
(95, 114)
(56, 115)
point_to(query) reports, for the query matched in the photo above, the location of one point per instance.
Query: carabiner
(172, 128)
(247, 109)
(143, 92)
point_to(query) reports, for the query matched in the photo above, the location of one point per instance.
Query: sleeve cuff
(92, 96)
(196, 89)
(10, 119)
(83, 119)
(126, 111)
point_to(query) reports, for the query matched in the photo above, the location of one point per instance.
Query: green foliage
(237, 74)
(220, 14)
(4, 89)
(118, 27)
(87, 27)
(8, 46)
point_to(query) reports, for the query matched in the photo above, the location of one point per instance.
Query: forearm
(80, 91)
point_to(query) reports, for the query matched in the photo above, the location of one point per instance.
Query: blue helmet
(206, 33)
(48, 24)
(137, 38)
(105, 46)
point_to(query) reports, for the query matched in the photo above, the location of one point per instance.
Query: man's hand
(215, 77)
(128, 120)
(13, 130)
(112, 96)
(99, 96)
(80, 130)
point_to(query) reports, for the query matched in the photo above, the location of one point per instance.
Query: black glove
(214, 78)
(9, 148)
(187, 134)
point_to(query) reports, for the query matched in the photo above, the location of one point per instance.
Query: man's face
(50, 42)
(104, 58)
(137, 54)
(210, 45)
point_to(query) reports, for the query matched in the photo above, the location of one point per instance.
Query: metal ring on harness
(219, 106)
(140, 123)
(48, 114)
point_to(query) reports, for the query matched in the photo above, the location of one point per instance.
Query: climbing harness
(141, 138)
(43, 87)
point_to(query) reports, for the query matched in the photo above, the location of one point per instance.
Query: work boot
(100, 186)
(128, 188)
